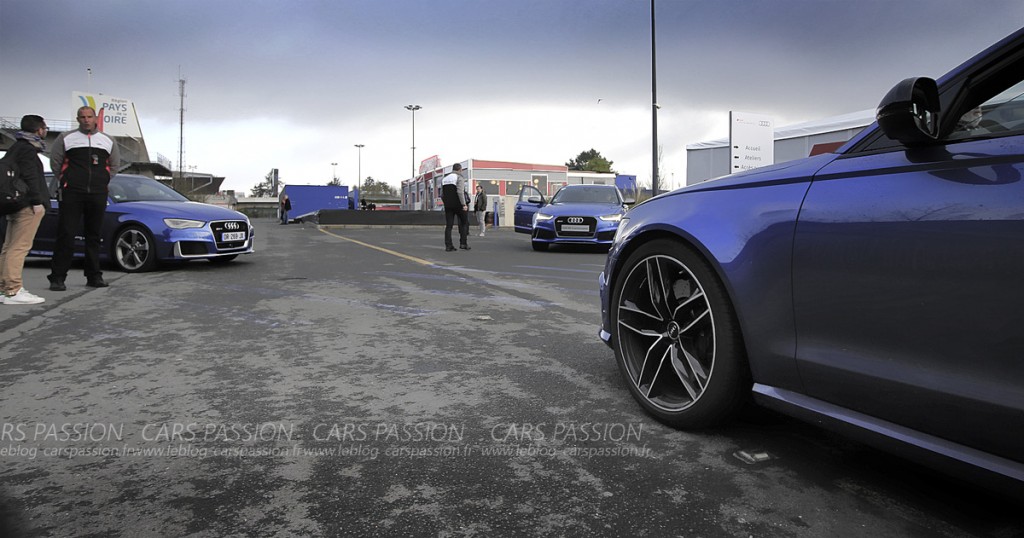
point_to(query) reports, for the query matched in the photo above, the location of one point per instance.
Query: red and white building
(501, 181)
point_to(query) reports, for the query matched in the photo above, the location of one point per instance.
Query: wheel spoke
(705, 313)
(698, 295)
(652, 379)
(684, 376)
(639, 331)
(655, 289)
(694, 366)
(630, 306)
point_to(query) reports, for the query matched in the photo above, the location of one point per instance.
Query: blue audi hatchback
(877, 290)
(148, 223)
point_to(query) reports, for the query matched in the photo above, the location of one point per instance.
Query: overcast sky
(295, 84)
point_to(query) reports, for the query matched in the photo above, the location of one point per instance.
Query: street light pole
(654, 108)
(359, 177)
(334, 172)
(413, 108)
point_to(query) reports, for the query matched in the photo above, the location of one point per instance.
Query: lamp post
(359, 178)
(654, 108)
(413, 108)
(334, 173)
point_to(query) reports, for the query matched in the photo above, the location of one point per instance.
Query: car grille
(575, 226)
(192, 248)
(222, 227)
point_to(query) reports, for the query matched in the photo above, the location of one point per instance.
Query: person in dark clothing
(83, 161)
(23, 223)
(456, 205)
(480, 208)
(286, 206)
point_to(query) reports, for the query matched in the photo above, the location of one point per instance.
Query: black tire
(223, 259)
(678, 343)
(133, 250)
(539, 247)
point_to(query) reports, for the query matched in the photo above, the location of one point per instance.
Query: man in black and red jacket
(83, 161)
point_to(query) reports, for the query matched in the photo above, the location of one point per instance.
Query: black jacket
(30, 168)
(453, 200)
(480, 202)
(84, 162)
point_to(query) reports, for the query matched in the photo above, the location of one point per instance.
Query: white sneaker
(481, 234)
(23, 297)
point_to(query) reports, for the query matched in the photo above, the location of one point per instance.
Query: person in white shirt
(456, 205)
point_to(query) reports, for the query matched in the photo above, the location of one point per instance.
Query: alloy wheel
(133, 250)
(666, 333)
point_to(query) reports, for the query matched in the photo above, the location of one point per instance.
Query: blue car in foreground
(576, 214)
(878, 290)
(148, 223)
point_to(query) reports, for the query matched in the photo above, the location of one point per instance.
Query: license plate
(232, 236)
(575, 228)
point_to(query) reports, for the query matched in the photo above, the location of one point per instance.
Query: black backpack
(13, 189)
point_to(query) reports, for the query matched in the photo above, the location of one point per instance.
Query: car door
(529, 202)
(908, 282)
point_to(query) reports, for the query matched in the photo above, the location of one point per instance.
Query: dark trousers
(78, 209)
(449, 219)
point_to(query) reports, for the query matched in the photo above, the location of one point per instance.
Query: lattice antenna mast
(181, 124)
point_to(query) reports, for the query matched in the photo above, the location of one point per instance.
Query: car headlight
(611, 218)
(619, 232)
(538, 216)
(181, 224)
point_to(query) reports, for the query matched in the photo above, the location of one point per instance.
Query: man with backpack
(23, 222)
(83, 161)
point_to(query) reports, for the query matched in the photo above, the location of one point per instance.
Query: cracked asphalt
(364, 382)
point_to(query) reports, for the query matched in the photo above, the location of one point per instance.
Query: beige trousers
(21, 230)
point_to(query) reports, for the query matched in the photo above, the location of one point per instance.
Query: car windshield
(142, 189)
(587, 195)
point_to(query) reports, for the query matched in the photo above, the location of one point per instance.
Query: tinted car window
(140, 189)
(575, 195)
(1003, 113)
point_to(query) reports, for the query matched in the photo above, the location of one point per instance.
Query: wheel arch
(729, 377)
(688, 240)
(755, 272)
(682, 236)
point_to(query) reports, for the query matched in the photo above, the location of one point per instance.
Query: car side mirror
(535, 200)
(909, 113)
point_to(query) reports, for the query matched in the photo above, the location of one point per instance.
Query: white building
(707, 160)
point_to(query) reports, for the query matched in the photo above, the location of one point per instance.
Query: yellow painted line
(382, 249)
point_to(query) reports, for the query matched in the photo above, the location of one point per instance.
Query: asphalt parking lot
(364, 382)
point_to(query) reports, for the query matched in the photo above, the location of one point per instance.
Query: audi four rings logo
(231, 226)
(574, 220)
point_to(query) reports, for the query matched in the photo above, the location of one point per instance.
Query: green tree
(591, 161)
(372, 187)
(266, 188)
